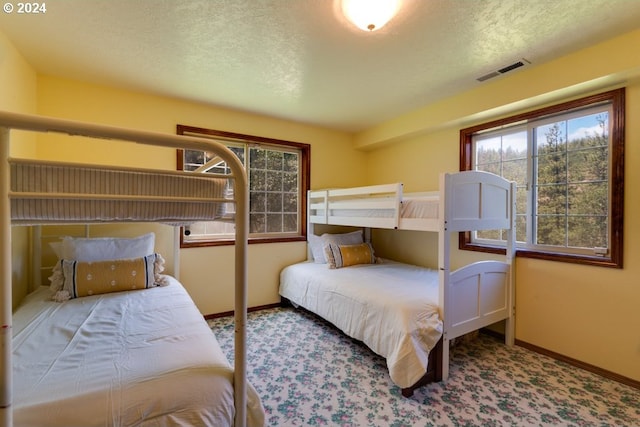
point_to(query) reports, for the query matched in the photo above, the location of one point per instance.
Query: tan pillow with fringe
(99, 277)
(339, 256)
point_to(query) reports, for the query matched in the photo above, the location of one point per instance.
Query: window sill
(598, 261)
(231, 242)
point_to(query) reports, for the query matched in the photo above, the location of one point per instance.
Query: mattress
(419, 207)
(138, 358)
(53, 192)
(414, 207)
(391, 307)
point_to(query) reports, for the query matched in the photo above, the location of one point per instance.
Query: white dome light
(370, 15)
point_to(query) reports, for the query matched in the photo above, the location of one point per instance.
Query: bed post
(241, 194)
(310, 229)
(6, 380)
(509, 335)
(444, 271)
(176, 252)
(35, 254)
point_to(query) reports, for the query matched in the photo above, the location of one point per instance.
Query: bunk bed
(407, 314)
(42, 192)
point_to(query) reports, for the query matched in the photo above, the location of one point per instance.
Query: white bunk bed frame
(471, 297)
(10, 121)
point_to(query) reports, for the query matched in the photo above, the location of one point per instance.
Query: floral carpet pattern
(308, 373)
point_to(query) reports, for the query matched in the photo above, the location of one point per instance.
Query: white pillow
(57, 249)
(318, 243)
(317, 248)
(107, 248)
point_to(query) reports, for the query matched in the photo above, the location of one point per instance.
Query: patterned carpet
(307, 373)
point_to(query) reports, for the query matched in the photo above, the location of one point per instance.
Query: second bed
(389, 306)
(405, 313)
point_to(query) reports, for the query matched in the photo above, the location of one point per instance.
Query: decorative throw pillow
(319, 243)
(107, 248)
(100, 277)
(339, 256)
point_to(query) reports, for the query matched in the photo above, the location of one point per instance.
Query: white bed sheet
(415, 207)
(139, 358)
(420, 207)
(391, 307)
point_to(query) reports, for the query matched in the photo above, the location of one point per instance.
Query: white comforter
(391, 307)
(139, 358)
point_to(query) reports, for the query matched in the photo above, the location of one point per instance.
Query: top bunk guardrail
(474, 200)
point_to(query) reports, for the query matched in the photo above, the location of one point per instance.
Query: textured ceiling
(299, 59)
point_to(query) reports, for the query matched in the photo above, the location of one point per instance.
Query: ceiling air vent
(503, 70)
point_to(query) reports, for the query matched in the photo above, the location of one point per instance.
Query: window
(278, 175)
(567, 161)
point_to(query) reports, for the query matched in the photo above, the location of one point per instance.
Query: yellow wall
(591, 314)
(205, 272)
(18, 94)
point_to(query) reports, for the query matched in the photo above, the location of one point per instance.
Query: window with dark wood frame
(567, 181)
(279, 177)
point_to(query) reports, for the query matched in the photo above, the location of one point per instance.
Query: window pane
(552, 168)
(291, 161)
(514, 146)
(257, 223)
(588, 198)
(274, 160)
(515, 170)
(551, 138)
(521, 200)
(552, 199)
(589, 164)
(238, 151)
(193, 159)
(521, 228)
(588, 231)
(489, 234)
(488, 150)
(490, 167)
(589, 130)
(290, 203)
(274, 202)
(290, 223)
(551, 230)
(258, 202)
(257, 158)
(257, 180)
(290, 182)
(274, 223)
(273, 181)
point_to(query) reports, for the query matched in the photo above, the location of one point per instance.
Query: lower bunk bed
(391, 307)
(405, 313)
(142, 357)
(135, 357)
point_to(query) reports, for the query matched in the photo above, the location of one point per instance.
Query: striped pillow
(339, 256)
(101, 277)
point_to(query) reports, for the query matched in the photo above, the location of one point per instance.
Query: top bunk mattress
(411, 207)
(55, 192)
(141, 358)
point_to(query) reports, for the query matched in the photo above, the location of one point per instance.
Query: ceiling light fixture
(370, 15)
